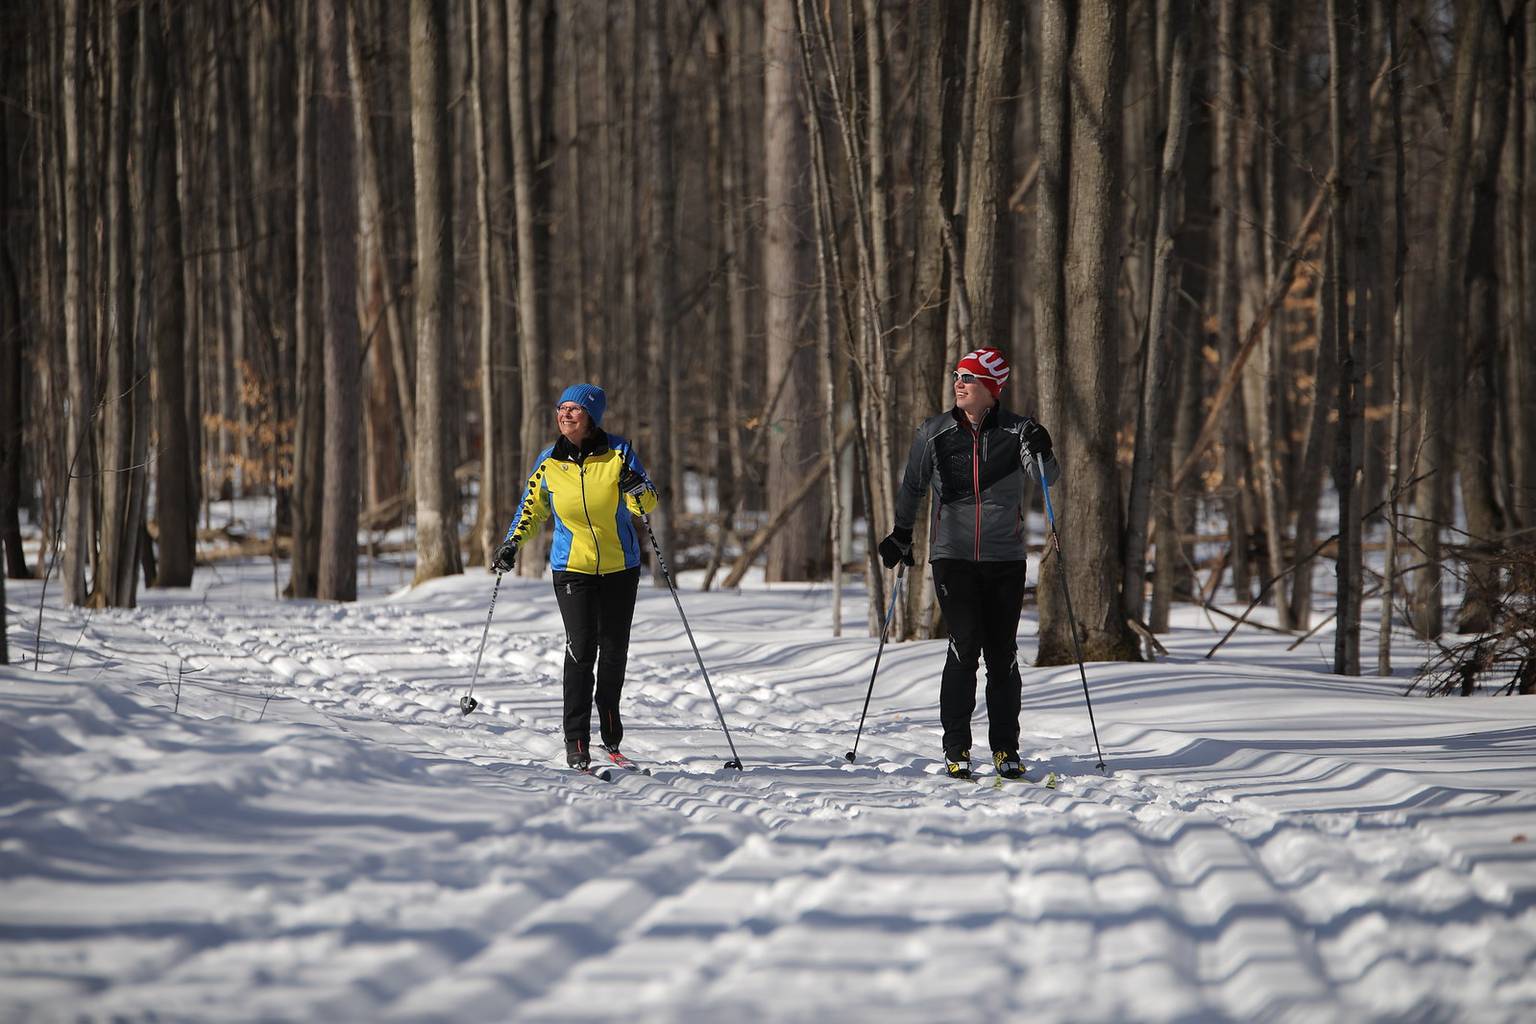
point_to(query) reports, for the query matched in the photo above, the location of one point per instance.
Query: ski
(620, 761)
(1049, 782)
(603, 774)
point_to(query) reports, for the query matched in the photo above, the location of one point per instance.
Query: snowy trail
(1271, 843)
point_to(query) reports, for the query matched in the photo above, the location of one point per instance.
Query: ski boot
(957, 764)
(1007, 764)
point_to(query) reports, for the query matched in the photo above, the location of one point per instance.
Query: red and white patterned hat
(989, 365)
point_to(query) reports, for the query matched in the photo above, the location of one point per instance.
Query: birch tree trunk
(337, 193)
(437, 532)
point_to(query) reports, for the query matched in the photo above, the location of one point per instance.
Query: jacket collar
(987, 422)
(595, 443)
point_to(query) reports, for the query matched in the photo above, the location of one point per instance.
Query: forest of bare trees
(1266, 270)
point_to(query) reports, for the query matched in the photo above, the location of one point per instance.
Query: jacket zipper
(597, 548)
(976, 484)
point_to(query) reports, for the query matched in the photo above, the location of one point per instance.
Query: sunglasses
(966, 378)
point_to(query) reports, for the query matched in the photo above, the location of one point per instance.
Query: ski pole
(1061, 567)
(467, 703)
(901, 572)
(735, 761)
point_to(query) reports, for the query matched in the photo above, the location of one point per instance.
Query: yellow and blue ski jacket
(594, 531)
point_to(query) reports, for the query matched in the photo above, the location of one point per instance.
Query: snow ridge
(316, 833)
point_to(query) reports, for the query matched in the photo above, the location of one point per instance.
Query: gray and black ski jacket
(977, 477)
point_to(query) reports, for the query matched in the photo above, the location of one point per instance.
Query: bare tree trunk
(1523, 355)
(437, 532)
(77, 345)
(1399, 337)
(1153, 442)
(988, 252)
(309, 359)
(725, 114)
(825, 350)
(115, 543)
(391, 342)
(190, 197)
(875, 129)
(1348, 325)
(1085, 399)
(1475, 455)
(1435, 373)
(494, 480)
(532, 328)
(1320, 441)
(175, 497)
(608, 145)
(879, 396)
(337, 193)
(922, 349)
(575, 144)
(966, 114)
(1273, 436)
(506, 426)
(1174, 574)
(1051, 219)
(663, 266)
(1228, 199)
(796, 552)
(483, 537)
(15, 334)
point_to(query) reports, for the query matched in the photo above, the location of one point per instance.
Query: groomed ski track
(316, 832)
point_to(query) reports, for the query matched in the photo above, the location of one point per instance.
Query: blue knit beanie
(590, 397)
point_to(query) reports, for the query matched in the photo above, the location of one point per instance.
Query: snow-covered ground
(305, 829)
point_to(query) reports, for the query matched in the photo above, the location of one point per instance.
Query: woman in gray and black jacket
(974, 460)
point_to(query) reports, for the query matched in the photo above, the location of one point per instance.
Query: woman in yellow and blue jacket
(591, 484)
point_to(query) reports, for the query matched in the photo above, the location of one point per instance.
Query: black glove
(631, 482)
(897, 547)
(1037, 440)
(505, 556)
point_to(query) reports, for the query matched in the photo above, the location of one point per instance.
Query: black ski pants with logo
(597, 611)
(981, 603)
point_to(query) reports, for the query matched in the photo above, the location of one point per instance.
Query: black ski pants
(981, 603)
(597, 611)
